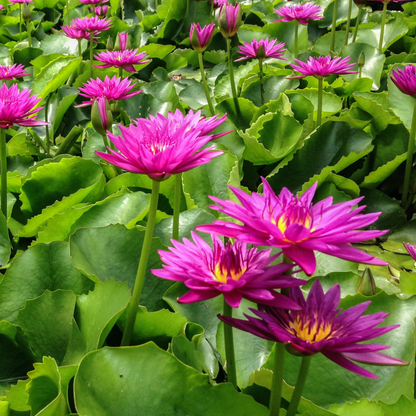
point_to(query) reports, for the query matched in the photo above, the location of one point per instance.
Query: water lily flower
(21, 1)
(121, 59)
(320, 327)
(91, 24)
(229, 19)
(233, 270)
(72, 33)
(12, 72)
(122, 42)
(18, 107)
(299, 12)
(323, 66)
(297, 226)
(219, 3)
(201, 37)
(113, 89)
(160, 147)
(262, 49)
(100, 11)
(405, 80)
(93, 1)
(411, 249)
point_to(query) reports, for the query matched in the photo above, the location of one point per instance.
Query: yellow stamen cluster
(316, 332)
(222, 273)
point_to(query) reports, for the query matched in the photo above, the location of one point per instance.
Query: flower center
(295, 214)
(222, 272)
(310, 330)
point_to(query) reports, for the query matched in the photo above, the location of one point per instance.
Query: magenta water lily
(262, 49)
(91, 24)
(113, 89)
(320, 327)
(201, 37)
(299, 12)
(233, 270)
(12, 72)
(121, 59)
(160, 148)
(405, 79)
(297, 226)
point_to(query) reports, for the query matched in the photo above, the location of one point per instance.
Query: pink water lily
(405, 79)
(91, 24)
(12, 72)
(233, 270)
(18, 107)
(94, 2)
(121, 59)
(113, 89)
(201, 37)
(78, 34)
(299, 12)
(297, 226)
(320, 327)
(323, 66)
(229, 19)
(162, 146)
(262, 49)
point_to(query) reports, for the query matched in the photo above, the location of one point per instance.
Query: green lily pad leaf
(393, 31)
(20, 144)
(90, 254)
(43, 267)
(323, 44)
(240, 115)
(273, 86)
(270, 138)
(403, 406)
(25, 56)
(54, 75)
(392, 382)
(377, 105)
(156, 51)
(159, 327)
(374, 61)
(390, 151)
(331, 104)
(98, 311)
(342, 13)
(348, 281)
(5, 245)
(41, 4)
(392, 215)
(59, 104)
(408, 282)
(188, 220)
(47, 388)
(185, 390)
(211, 179)
(331, 148)
(58, 42)
(406, 234)
(48, 333)
(120, 208)
(55, 187)
(357, 85)
(17, 398)
(361, 408)
(194, 96)
(215, 57)
(401, 104)
(171, 12)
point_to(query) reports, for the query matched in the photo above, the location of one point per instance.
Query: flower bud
(229, 19)
(201, 38)
(100, 11)
(110, 44)
(26, 12)
(361, 60)
(260, 54)
(122, 42)
(101, 116)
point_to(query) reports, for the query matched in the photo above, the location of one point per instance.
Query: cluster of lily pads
(204, 205)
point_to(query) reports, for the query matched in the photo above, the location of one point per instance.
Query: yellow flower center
(311, 333)
(221, 273)
(290, 217)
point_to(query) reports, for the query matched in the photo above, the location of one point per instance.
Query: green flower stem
(106, 144)
(383, 22)
(141, 270)
(48, 142)
(196, 11)
(261, 81)
(231, 68)
(229, 347)
(357, 24)
(177, 206)
(211, 13)
(3, 161)
(277, 383)
(409, 161)
(20, 24)
(91, 53)
(300, 382)
(320, 90)
(296, 39)
(348, 23)
(360, 73)
(204, 83)
(187, 16)
(29, 34)
(334, 23)
(67, 13)
(156, 4)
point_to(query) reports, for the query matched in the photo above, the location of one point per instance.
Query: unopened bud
(361, 60)
(229, 19)
(26, 12)
(110, 44)
(101, 116)
(122, 42)
(260, 54)
(367, 285)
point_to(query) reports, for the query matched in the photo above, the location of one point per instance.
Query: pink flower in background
(122, 41)
(299, 12)
(17, 107)
(160, 147)
(411, 249)
(219, 3)
(91, 24)
(405, 80)
(1, 7)
(113, 89)
(100, 11)
(12, 72)
(229, 19)
(72, 33)
(323, 66)
(262, 49)
(21, 1)
(320, 327)
(201, 37)
(297, 226)
(93, 1)
(233, 270)
(121, 59)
